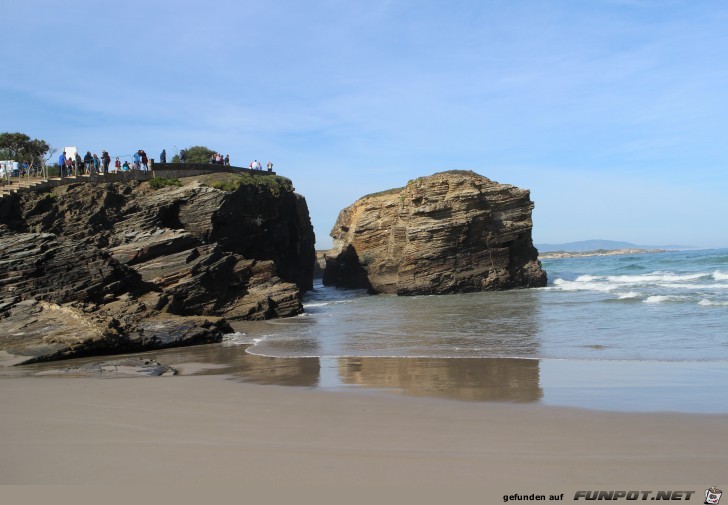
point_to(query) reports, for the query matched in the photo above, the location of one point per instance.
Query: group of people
(92, 164)
(118, 167)
(217, 159)
(140, 161)
(88, 165)
(255, 165)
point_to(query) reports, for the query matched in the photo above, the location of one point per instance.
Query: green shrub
(232, 182)
(160, 182)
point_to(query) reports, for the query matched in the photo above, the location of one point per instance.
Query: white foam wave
(627, 296)
(670, 280)
(713, 303)
(582, 285)
(694, 286)
(239, 338)
(720, 276)
(320, 304)
(588, 278)
(664, 298)
(655, 277)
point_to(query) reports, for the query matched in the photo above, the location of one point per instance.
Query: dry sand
(206, 430)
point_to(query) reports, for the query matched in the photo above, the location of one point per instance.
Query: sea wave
(239, 338)
(669, 280)
(716, 287)
(656, 277)
(584, 283)
(720, 276)
(319, 304)
(628, 296)
(665, 298)
(713, 303)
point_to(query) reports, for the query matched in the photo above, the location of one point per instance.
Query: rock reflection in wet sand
(218, 359)
(472, 379)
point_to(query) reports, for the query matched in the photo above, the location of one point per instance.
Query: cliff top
(232, 181)
(448, 174)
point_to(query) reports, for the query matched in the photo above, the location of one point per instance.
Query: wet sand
(211, 430)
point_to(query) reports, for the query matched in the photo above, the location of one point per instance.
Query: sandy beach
(209, 430)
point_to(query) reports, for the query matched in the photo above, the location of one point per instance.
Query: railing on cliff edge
(206, 166)
(166, 170)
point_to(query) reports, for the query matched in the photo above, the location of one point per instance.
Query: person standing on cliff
(270, 166)
(183, 156)
(227, 160)
(88, 163)
(62, 164)
(163, 156)
(105, 160)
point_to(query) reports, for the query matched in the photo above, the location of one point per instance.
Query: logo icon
(712, 495)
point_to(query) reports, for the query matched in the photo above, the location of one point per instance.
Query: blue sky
(614, 113)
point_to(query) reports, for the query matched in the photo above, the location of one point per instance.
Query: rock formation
(451, 232)
(108, 268)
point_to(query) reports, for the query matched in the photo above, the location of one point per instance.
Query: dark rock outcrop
(451, 232)
(123, 367)
(109, 268)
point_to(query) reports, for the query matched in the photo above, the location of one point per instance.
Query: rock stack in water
(451, 232)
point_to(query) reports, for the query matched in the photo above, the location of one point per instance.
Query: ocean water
(669, 306)
(644, 332)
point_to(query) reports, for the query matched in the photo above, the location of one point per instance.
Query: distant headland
(600, 245)
(598, 252)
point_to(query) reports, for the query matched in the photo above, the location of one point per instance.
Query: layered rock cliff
(451, 232)
(101, 268)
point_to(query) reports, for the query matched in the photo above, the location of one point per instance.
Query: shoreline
(594, 385)
(213, 430)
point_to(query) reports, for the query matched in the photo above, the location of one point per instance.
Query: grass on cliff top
(231, 182)
(419, 180)
(160, 182)
(392, 191)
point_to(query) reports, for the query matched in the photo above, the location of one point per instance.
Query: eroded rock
(111, 268)
(450, 232)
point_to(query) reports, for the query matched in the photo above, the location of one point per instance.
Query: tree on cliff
(196, 154)
(19, 147)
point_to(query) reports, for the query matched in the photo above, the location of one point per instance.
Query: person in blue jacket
(62, 164)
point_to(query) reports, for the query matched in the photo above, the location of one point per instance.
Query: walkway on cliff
(166, 170)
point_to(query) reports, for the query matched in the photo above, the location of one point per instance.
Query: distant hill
(607, 245)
